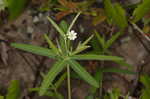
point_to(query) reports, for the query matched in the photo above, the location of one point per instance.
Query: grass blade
(35, 49)
(83, 73)
(53, 72)
(95, 57)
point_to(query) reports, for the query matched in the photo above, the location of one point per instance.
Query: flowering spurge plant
(65, 56)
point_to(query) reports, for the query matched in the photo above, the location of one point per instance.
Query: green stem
(68, 81)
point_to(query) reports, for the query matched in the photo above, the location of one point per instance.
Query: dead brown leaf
(60, 15)
(3, 52)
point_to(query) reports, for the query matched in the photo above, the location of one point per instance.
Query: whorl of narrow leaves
(116, 14)
(141, 10)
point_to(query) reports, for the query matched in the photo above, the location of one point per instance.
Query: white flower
(72, 35)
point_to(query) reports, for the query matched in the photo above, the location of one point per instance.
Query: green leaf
(97, 48)
(73, 22)
(51, 44)
(35, 49)
(141, 10)
(64, 26)
(87, 40)
(112, 40)
(61, 44)
(55, 95)
(95, 57)
(61, 32)
(79, 49)
(82, 46)
(100, 39)
(145, 79)
(53, 72)
(115, 94)
(60, 81)
(99, 77)
(145, 94)
(116, 14)
(14, 90)
(83, 73)
(15, 8)
(123, 63)
(117, 70)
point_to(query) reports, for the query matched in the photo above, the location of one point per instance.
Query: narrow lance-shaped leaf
(99, 78)
(121, 63)
(14, 90)
(53, 72)
(100, 39)
(141, 10)
(86, 41)
(95, 57)
(51, 44)
(80, 49)
(73, 22)
(60, 81)
(35, 49)
(83, 73)
(82, 46)
(112, 40)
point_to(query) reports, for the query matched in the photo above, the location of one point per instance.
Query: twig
(140, 31)
(68, 79)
